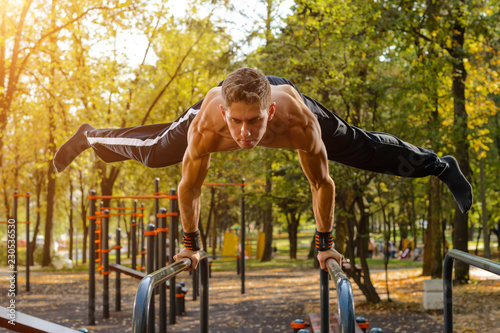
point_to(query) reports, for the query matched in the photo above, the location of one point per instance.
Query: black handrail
(140, 315)
(347, 318)
(470, 259)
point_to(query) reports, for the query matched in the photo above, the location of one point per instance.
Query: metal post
(28, 256)
(133, 225)
(448, 293)
(105, 262)
(150, 233)
(196, 284)
(172, 238)
(141, 236)
(175, 209)
(324, 302)
(204, 295)
(14, 216)
(242, 255)
(91, 218)
(157, 220)
(118, 282)
(469, 259)
(144, 293)
(162, 240)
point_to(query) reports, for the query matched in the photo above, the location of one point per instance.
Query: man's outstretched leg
(72, 148)
(454, 179)
(385, 153)
(155, 146)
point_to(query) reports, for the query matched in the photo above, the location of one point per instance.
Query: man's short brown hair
(246, 85)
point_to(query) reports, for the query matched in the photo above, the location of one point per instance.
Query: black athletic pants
(161, 145)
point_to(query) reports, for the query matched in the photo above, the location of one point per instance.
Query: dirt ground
(272, 300)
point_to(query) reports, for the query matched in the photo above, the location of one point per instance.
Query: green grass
(305, 264)
(255, 265)
(393, 263)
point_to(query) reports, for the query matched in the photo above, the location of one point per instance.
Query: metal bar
(105, 263)
(345, 299)
(91, 306)
(141, 237)
(128, 197)
(127, 271)
(28, 324)
(203, 271)
(28, 257)
(163, 260)
(144, 293)
(324, 301)
(242, 255)
(157, 221)
(149, 269)
(470, 259)
(118, 282)
(133, 234)
(172, 308)
(196, 285)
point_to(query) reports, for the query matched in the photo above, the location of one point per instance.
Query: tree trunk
(71, 220)
(51, 195)
(107, 180)
(360, 242)
(413, 216)
(459, 76)
(436, 229)
(268, 217)
(39, 184)
(203, 232)
(83, 217)
(364, 283)
(340, 234)
(428, 244)
(293, 227)
(214, 234)
(484, 215)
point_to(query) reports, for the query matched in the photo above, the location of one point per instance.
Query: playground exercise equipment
(98, 218)
(470, 259)
(14, 221)
(133, 230)
(28, 324)
(345, 299)
(344, 321)
(143, 313)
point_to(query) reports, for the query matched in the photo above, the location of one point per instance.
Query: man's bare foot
(457, 183)
(72, 148)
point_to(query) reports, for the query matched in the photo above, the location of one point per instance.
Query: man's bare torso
(293, 125)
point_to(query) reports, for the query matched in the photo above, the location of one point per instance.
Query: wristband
(192, 240)
(323, 240)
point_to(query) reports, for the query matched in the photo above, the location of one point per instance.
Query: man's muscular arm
(194, 171)
(315, 167)
(314, 162)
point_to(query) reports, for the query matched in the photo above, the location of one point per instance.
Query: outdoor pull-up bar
(95, 197)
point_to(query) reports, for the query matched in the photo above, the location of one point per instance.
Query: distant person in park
(247, 110)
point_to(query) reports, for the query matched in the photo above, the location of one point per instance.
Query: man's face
(247, 122)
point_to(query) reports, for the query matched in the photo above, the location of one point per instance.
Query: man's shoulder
(213, 93)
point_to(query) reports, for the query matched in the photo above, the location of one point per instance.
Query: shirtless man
(231, 119)
(248, 110)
